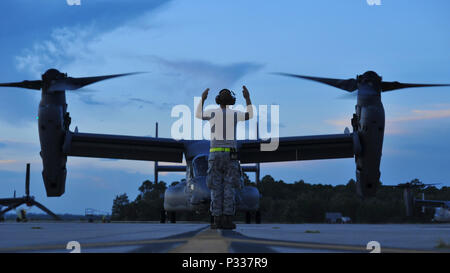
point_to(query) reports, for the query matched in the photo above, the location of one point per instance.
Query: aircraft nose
(200, 193)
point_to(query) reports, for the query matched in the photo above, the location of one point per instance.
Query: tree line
(297, 202)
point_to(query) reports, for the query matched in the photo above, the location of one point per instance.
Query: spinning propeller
(53, 81)
(369, 77)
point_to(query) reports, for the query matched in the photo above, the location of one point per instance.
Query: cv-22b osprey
(15, 202)
(58, 142)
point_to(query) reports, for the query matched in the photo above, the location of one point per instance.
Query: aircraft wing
(123, 147)
(298, 148)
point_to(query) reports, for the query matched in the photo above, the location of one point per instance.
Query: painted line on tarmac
(91, 245)
(214, 241)
(207, 241)
(178, 238)
(325, 246)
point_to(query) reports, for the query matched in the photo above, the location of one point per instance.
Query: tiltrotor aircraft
(58, 142)
(12, 203)
(441, 207)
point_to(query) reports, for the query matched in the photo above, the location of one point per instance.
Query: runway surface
(198, 238)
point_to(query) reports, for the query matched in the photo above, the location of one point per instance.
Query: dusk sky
(188, 46)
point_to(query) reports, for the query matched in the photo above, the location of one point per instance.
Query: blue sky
(187, 46)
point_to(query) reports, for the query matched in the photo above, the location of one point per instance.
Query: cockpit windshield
(200, 165)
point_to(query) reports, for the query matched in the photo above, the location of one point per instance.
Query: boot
(217, 222)
(228, 223)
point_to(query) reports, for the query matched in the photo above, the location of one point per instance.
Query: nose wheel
(173, 217)
(248, 217)
(258, 217)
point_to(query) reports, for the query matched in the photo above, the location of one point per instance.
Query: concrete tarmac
(198, 238)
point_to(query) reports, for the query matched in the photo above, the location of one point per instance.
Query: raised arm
(199, 111)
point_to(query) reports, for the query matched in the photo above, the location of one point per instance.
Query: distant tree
(351, 185)
(246, 179)
(293, 202)
(150, 201)
(267, 179)
(146, 186)
(119, 207)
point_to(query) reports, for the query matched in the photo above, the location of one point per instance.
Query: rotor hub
(53, 74)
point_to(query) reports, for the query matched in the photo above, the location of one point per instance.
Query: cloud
(158, 105)
(342, 122)
(76, 28)
(66, 44)
(14, 154)
(394, 124)
(7, 161)
(18, 107)
(424, 115)
(89, 99)
(205, 73)
(82, 49)
(49, 46)
(78, 164)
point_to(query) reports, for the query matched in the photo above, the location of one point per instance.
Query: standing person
(224, 172)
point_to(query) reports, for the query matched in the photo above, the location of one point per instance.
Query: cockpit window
(200, 165)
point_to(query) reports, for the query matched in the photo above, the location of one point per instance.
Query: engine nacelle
(53, 122)
(370, 128)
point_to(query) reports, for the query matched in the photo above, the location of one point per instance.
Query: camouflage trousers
(223, 177)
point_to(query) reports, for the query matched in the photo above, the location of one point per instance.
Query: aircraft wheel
(173, 217)
(248, 217)
(162, 218)
(211, 220)
(258, 217)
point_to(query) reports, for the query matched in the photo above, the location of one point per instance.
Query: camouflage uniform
(222, 179)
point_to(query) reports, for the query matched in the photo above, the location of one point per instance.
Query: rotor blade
(27, 181)
(347, 85)
(11, 207)
(389, 86)
(35, 85)
(76, 83)
(42, 207)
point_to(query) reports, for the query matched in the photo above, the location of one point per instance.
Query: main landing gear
(248, 217)
(171, 214)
